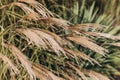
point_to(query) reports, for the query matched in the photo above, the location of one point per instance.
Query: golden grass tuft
(32, 16)
(42, 39)
(56, 37)
(23, 60)
(78, 71)
(39, 7)
(34, 41)
(84, 41)
(9, 63)
(86, 27)
(96, 76)
(115, 44)
(81, 55)
(24, 7)
(55, 22)
(105, 35)
(43, 73)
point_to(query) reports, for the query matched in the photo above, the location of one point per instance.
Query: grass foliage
(59, 42)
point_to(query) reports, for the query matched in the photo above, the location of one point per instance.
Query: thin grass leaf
(90, 15)
(6, 5)
(88, 44)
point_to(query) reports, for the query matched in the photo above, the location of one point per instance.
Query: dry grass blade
(24, 7)
(34, 38)
(80, 73)
(81, 55)
(115, 44)
(86, 27)
(71, 75)
(105, 35)
(54, 21)
(43, 73)
(23, 60)
(44, 12)
(49, 40)
(42, 39)
(9, 63)
(96, 76)
(54, 77)
(13, 76)
(32, 16)
(88, 44)
(40, 73)
(68, 77)
(56, 37)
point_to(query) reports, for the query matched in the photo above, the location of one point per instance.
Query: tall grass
(37, 44)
